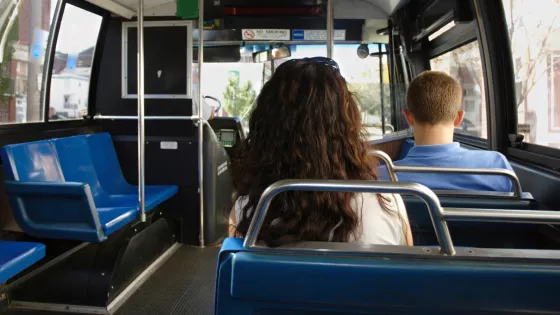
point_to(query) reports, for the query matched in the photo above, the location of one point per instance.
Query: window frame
(189, 25)
(10, 127)
(500, 77)
(494, 23)
(95, 67)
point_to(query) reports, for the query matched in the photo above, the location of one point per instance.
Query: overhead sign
(265, 34)
(317, 35)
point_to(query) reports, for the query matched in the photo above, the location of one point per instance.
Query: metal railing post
(330, 28)
(141, 125)
(201, 119)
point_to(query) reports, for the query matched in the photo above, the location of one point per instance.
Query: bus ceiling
(343, 9)
(361, 19)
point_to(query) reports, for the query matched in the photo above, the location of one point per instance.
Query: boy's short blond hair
(434, 97)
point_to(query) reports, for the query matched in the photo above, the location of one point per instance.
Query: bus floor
(182, 285)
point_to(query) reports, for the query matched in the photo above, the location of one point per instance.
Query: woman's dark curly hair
(306, 125)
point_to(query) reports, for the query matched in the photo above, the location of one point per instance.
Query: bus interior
(116, 188)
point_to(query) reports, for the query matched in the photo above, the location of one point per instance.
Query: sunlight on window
(23, 57)
(442, 30)
(72, 64)
(534, 32)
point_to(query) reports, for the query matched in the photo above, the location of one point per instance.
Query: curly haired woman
(307, 125)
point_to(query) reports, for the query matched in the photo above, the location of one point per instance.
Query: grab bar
(392, 169)
(502, 216)
(422, 192)
(388, 161)
(102, 117)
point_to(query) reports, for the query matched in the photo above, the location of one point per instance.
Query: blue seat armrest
(60, 210)
(45, 188)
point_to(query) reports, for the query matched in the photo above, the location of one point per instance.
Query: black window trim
(460, 35)
(98, 50)
(471, 140)
(494, 21)
(547, 157)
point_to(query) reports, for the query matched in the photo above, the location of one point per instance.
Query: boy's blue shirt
(452, 155)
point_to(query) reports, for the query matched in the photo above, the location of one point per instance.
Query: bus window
(534, 31)
(465, 65)
(235, 84)
(364, 78)
(23, 40)
(71, 71)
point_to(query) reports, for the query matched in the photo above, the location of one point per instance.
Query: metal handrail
(392, 169)
(388, 162)
(422, 192)
(501, 216)
(103, 117)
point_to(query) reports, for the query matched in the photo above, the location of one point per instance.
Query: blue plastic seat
(405, 282)
(108, 169)
(56, 192)
(18, 256)
(406, 146)
(477, 234)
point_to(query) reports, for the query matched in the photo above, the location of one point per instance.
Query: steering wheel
(214, 99)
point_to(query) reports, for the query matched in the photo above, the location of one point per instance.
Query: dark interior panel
(542, 184)
(392, 148)
(165, 60)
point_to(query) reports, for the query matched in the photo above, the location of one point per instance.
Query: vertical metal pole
(141, 135)
(201, 119)
(382, 90)
(404, 67)
(330, 29)
(33, 66)
(49, 58)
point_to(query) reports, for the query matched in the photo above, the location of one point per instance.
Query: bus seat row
(18, 256)
(319, 282)
(73, 188)
(487, 234)
(418, 212)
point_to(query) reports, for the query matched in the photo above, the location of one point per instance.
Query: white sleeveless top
(377, 226)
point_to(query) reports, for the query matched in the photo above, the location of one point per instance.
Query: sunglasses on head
(322, 60)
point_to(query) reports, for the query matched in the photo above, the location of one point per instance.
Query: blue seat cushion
(114, 218)
(18, 256)
(92, 159)
(106, 163)
(154, 195)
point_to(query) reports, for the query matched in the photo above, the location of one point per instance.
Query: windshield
(236, 85)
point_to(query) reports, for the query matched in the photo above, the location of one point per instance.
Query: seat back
(77, 165)
(106, 164)
(409, 282)
(477, 234)
(32, 162)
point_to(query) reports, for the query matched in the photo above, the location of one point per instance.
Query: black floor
(183, 285)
